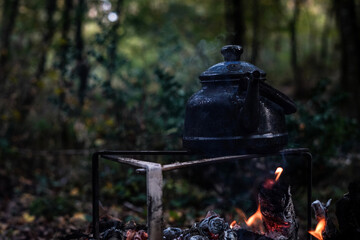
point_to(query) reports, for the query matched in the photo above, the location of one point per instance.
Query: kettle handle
(250, 112)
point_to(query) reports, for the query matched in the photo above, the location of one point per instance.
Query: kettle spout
(250, 112)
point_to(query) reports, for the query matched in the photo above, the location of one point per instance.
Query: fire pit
(154, 180)
(235, 116)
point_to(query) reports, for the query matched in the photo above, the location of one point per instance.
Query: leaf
(79, 216)
(74, 191)
(27, 217)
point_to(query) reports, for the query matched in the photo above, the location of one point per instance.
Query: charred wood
(321, 212)
(320, 209)
(247, 235)
(278, 210)
(212, 227)
(348, 212)
(171, 233)
(114, 229)
(108, 222)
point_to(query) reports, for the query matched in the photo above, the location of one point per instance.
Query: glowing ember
(136, 235)
(320, 227)
(278, 172)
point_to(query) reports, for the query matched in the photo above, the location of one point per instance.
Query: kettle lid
(232, 67)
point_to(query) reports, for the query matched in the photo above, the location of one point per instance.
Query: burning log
(325, 228)
(320, 209)
(348, 212)
(277, 210)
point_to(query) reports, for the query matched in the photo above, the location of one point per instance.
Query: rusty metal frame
(154, 180)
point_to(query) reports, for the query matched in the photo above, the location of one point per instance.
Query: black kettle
(236, 112)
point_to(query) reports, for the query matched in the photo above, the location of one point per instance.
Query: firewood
(278, 210)
(320, 209)
(348, 212)
(321, 212)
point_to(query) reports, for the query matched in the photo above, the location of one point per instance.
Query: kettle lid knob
(231, 52)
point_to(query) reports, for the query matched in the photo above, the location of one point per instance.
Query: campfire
(267, 223)
(347, 214)
(273, 220)
(258, 223)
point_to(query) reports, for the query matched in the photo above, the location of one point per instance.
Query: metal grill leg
(95, 193)
(154, 180)
(309, 191)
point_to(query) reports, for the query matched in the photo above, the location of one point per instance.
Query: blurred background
(77, 76)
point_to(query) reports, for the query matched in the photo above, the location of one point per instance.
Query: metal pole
(154, 180)
(95, 193)
(309, 191)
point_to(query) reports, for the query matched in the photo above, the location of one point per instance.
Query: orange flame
(232, 224)
(255, 222)
(320, 227)
(278, 172)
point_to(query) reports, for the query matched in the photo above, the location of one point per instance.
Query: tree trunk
(350, 53)
(64, 48)
(324, 50)
(47, 37)
(82, 66)
(235, 22)
(65, 41)
(114, 39)
(255, 29)
(29, 95)
(10, 11)
(300, 91)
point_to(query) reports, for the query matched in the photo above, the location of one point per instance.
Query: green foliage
(127, 187)
(50, 207)
(320, 126)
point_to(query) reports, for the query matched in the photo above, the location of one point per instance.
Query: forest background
(77, 76)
